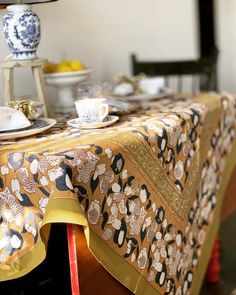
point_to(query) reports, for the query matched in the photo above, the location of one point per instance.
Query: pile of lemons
(63, 66)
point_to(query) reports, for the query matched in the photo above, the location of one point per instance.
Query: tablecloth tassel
(74, 275)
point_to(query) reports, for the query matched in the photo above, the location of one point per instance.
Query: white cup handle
(103, 110)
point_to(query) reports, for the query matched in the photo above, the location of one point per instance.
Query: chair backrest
(202, 71)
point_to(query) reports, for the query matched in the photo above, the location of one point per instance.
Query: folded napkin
(152, 86)
(12, 119)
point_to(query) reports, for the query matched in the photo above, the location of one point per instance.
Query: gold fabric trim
(150, 165)
(25, 264)
(209, 125)
(58, 210)
(119, 268)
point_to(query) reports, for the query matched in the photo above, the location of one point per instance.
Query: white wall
(226, 35)
(103, 34)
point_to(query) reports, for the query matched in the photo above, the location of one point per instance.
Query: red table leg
(213, 270)
(74, 276)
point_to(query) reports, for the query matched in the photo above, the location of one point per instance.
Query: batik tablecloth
(148, 191)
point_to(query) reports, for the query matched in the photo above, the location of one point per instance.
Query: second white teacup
(92, 110)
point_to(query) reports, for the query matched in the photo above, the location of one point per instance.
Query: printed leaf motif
(133, 240)
(110, 191)
(86, 205)
(127, 208)
(149, 204)
(94, 183)
(127, 255)
(68, 157)
(15, 160)
(81, 191)
(61, 181)
(105, 219)
(133, 197)
(31, 226)
(130, 179)
(149, 263)
(137, 252)
(120, 182)
(120, 235)
(36, 177)
(117, 163)
(11, 241)
(161, 276)
(103, 204)
(32, 158)
(160, 215)
(25, 201)
(46, 193)
(98, 150)
(143, 234)
(39, 215)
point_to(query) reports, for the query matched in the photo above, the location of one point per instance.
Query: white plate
(25, 126)
(142, 97)
(39, 125)
(106, 122)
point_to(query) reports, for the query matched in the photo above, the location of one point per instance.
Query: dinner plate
(81, 125)
(39, 125)
(25, 126)
(142, 97)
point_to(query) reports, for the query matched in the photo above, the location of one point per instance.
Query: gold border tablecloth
(148, 192)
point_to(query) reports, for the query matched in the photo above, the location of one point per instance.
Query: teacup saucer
(83, 125)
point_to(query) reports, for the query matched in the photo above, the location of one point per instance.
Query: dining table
(147, 191)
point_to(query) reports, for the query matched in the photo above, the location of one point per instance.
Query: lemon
(62, 67)
(75, 65)
(49, 68)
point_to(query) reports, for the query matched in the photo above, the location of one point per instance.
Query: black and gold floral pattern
(148, 186)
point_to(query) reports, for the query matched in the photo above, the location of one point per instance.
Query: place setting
(92, 113)
(139, 88)
(21, 119)
(92, 108)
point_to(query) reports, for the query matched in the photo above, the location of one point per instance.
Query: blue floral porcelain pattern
(22, 31)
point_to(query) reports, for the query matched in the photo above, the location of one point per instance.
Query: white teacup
(153, 85)
(92, 110)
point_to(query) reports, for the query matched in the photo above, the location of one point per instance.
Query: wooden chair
(202, 71)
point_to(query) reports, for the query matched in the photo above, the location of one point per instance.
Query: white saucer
(144, 97)
(82, 125)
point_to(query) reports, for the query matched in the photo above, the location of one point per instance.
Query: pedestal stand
(8, 74)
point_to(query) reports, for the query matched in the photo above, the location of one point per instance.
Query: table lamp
(21, 27)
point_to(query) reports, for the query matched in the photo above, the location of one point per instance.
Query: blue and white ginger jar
(21, 27)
